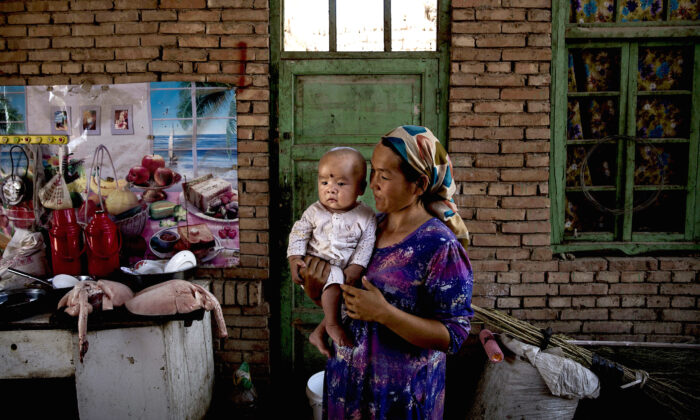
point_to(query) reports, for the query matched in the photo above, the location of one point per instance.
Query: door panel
(328, 103)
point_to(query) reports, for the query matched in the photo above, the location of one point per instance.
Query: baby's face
(339, 182)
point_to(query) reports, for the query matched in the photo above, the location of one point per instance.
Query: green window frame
(623, 194)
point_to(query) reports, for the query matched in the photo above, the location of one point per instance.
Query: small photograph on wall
(121, 120)
(60, 120)
(90, 120)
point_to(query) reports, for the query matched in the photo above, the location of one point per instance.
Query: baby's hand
(352, 273)
(295, 263)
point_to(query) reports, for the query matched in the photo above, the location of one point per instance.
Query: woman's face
(392, 192)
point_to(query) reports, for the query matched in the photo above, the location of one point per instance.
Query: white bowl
(181, 261)
(149, 267)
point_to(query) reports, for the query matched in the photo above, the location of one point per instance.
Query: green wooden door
(327, 103)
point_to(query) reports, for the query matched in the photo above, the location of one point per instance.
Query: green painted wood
(557, 173)
(387, 25)
(351, 98)
(657, 236)
(591, 236)
(332, 27)
(358, 55)
(693, 202)
(628, 248)
(592, 94)
(592, 188)
(647, 31)
(664, 92)
(630, 146)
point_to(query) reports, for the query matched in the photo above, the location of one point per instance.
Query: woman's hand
(366, 305)
(314, 276)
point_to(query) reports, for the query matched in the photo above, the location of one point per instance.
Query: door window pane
(657, 164)
(684, 9)
(360, 25)
(598, 170)
(663, 117)
(413, 25)
(585, 215)
(641, 10)
(306, 25)
(666, 213)
(589, 11)
(664, 68)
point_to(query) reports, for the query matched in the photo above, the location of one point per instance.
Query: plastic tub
(314, 391)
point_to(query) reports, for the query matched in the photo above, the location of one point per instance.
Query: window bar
(387, 25)
(194, 128)
(332, 28)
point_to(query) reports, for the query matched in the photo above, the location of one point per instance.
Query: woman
(415, 303)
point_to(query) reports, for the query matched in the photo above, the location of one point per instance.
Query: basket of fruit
(133, 221)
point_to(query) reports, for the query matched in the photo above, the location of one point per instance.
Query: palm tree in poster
(8, 116)
(208, 103)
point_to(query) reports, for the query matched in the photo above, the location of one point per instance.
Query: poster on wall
(172, 144)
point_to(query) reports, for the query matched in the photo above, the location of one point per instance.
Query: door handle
(286, 135)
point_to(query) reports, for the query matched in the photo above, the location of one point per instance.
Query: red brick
(473, 120)
(116, 41)
(484, 301)
(500, 14)
(73, 42)
(659, 276)
(199, 41)
(47, 55)
(158, 15)
(680, 315)
(535, 160)
(492, 265)
(475, 174)
(658, 302)
(683, 276)
(229, 28)
(680, 289)
(245, 15)
(125, 16)
(180, 54)
(512, 254)
(11, 6)
(585, 314)
(633, 314)
(495, 240)
(536, 93)
(462, 80)
(543, 4)
(533, 289)
(476, 54)
(683, 302)
(542, 254)
(523, 202)
(508, 278)
(534, 265)
(607, 301)
(137, 28)
(657, 328)
(28, 43)
(183, 4)
(524, 189)
(584, 264)
(490, 289)
(633, 301)
(584, 289)
(582, 277)
(557, 277)
(537, 133)
(559, 302)
(525, 27)
(500, 214)
(87, 30)
(28, 18)
(539, 314)
(500, 40)
(533, 277)
(508, 302)
(135, 4)
(476, 27)
(633, 289)
(499, 133)
(607, 327)
(524, 146)
(473, 93)
(497, 161)
(484, 277)
(632, 263)
(159, 41)
(49, 30)
(525, 227)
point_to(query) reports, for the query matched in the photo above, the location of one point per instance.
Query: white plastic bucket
(314, 391)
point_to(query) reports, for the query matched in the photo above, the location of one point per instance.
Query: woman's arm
(370, 305)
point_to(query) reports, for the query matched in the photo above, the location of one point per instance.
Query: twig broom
(680, 402)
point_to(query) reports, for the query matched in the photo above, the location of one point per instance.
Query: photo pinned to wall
(60, 120)
(121, 119)
(90, 120)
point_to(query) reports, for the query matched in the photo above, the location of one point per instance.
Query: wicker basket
(133, 225)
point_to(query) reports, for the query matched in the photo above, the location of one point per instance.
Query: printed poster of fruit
(173, 145)
(191, 188)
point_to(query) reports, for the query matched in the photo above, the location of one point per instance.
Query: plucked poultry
(87, 296)
(177, 297)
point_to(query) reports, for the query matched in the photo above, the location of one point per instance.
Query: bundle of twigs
(679, 401)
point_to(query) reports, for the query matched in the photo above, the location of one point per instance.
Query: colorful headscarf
(419, 147)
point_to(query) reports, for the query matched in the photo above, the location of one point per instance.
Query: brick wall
(499, 144)
(125, 41)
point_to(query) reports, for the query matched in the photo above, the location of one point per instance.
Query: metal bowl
(22, 303)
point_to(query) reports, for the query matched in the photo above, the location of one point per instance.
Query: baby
(338, 229)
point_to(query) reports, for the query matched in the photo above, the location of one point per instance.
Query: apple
(164, 176)
(139, 175)
(153, 162)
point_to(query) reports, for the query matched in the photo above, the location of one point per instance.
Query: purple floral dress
(428, 274)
